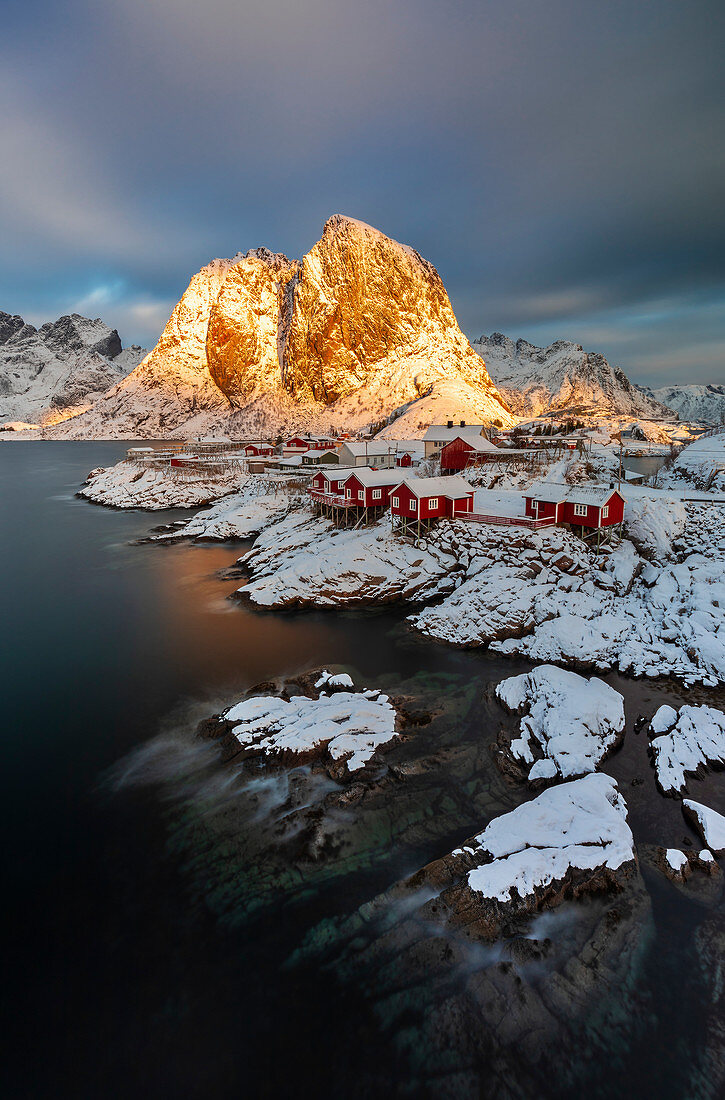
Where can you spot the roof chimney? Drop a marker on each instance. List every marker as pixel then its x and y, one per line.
pixel 463 423
pixel 450 423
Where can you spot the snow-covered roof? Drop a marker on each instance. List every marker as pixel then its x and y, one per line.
pixel 453 486
pixel 373 447
pixel 369 477
pixel 408 446
pixel 338 473
pixel 293 460
pixel 441 433
pixel 477 443
pixel 318 452
pixel 575 494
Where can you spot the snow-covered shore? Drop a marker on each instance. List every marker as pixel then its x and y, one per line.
pixel 544 595
pixel 127 485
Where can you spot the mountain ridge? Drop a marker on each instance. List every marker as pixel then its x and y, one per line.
pixel 564 379
pixel 53 372
pixel 359 327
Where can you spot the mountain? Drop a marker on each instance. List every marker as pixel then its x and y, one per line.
pixel 53 372
pixel 702 403
pixel 357 330
pixel 563 378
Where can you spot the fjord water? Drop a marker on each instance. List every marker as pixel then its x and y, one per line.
pixel 124 978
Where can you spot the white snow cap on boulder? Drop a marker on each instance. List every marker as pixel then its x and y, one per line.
pixel 580 825
pixel 349 726
pixel 687 741
pixel 568 720
pixel 710 824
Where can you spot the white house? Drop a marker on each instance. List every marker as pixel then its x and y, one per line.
pixel 439 434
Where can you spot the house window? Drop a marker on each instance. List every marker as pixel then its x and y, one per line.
pixel 580 509
pixel 605 511
pixel 377 494
pixel 413 505
pixel 361 494
pixel 348 494
pixel 396 502
pixel 433 502
pixel 535 505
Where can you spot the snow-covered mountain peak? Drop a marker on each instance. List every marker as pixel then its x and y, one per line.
pixel 60 369
pixel 562 378
pixel 357 329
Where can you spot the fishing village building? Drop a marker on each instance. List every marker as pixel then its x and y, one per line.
pixel 418 503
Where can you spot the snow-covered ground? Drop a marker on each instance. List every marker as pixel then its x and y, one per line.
pixel 699 466
pixel 569 723
pixel 128 485
pixel 261 501
pixel 543 594
pixel 685 742
pixel 306 561
pixel 577 826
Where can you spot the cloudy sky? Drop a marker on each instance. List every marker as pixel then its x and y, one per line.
pixel 560 163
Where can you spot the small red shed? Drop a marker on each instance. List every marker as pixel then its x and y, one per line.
pixel 579 505
pixel 255 450
pixel 423 500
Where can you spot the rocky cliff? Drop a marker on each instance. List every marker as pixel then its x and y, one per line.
pixel 563 378
pixel 358 329
pixel 60 369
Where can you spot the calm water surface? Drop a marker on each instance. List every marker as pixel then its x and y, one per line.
pixel 123 981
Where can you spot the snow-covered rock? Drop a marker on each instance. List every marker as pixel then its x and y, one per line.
pixel 562 378
pixel 355 331
pixel 709 823
pixel 305 561
pixel 127 485
pixel 685 742
pixel 345 725
pixel 259 502
pixel 49 373
pixel 654 522
pixel 677 861
pixel 569 723
pixel 573 832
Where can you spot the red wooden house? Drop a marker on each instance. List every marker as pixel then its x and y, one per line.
pixel 329 483
pixel 466 451
pixel 588 506
pixel 423 500
pixel 256 450
pixel 367 488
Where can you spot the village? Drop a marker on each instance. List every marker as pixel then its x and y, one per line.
pixel 416 482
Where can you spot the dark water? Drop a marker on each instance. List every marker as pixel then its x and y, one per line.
pixel 132 970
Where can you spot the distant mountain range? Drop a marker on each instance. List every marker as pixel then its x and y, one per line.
pixel 563 379
pixel 60 369
pixel 703 403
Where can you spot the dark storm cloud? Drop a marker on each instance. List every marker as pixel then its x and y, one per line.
pixel 560 163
